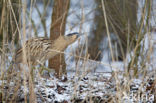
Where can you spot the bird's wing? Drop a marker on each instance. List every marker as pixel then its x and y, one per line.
pixel 35 49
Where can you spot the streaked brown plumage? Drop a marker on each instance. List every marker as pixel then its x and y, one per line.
pixel 40 49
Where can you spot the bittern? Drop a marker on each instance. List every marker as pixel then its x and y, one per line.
pixel 40 49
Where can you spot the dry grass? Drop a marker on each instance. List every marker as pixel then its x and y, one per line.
pixel 15 78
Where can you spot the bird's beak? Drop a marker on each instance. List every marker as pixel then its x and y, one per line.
pixel 80 34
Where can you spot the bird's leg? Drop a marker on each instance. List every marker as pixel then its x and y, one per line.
pixel 45 68
pixel 33 68
pixel 41 69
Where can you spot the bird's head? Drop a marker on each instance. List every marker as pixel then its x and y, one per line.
pixel 72 37
pixel 62 42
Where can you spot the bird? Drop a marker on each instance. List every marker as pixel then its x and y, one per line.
pixel 40 49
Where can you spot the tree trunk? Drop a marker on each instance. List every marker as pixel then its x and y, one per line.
pixel 97 32
pixel 122 18
pixel 59 15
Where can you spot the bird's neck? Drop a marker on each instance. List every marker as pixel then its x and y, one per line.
pixel 60 43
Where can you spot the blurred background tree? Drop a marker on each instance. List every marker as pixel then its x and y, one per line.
pixel 122 20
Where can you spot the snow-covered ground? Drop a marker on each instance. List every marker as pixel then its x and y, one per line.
pixel 92 87
pixel 102 81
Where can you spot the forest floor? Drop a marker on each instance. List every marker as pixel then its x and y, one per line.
pixel 93 88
